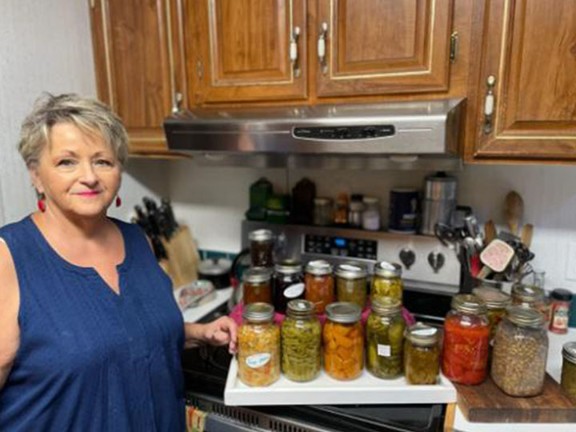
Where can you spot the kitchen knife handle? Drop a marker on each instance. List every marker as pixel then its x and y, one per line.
pixel 323 35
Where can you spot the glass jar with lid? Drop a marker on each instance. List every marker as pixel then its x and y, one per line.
pixel 531 296
pixel 387 281
pixel 258 346
pixel 421 354
pixel 319 284
pixel 496 303
pixel 301 336
pixel 559 312
pixel 371 214
pixel 323 211
pixel 256 285
pixel 343 339
pixel 287 283
pixel 520 353
pixel 351 283
pixel 261 248
pixel 356 207
pixel 385 338
pixel 466 340
pixel 568 375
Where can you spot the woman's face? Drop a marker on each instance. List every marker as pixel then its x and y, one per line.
pixel 79 174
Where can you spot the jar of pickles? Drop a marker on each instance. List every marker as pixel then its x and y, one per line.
pixel 351 283
pixel 261 248
pixel 466 340
pixel 319 284
pixel 256 285
pixel 520 353
pixel 385 338
pixel 301 341
pixel 343 341
pixel 287 283
pixel 496 303
pixel 421 354
pixel 258 346
pixel 387 281
pixel 568 376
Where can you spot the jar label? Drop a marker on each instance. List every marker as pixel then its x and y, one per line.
pixel 294 291
pixel 258 360
pixel 384 350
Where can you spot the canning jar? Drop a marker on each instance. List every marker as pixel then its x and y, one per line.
pixel 520 352
pixel 385 338
pixel 496 303
pixel 287 283
pixel 323 211
pixel 421 354
pixel 261 248
pixel 568 377
pixel 559 311
pixel 258 346
pixel 301 337
pixel 256 285
pixel 343 341
pixel 532 297
pixel 466 340
pixel 319 284
pixel 387 281
pixel 351 280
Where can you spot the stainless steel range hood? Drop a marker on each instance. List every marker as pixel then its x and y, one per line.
pixel 393 135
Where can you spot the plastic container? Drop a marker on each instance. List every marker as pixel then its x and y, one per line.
pixel 258 346
pixel 351 283
pixel 287 283
pixel 387 281
pixel 261 248
pixel 421 354
pixel 466 340
pixel 520 353
pixel 560 310
pixel 301 342
pixel 568 376
pixel 256 286
pixel 319 284
pixel 343 339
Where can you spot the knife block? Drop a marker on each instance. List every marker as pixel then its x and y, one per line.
pixel 183 258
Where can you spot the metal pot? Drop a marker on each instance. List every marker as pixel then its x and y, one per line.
pixel 216 271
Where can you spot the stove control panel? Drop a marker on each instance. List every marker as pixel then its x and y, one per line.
pixel 340 246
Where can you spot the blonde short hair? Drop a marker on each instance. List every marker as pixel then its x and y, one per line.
pixel 89 115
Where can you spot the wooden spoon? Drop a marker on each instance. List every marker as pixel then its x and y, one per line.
pixel 489 232
pixel 513 211
pixel 526 235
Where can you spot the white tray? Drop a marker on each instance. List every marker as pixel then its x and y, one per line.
pixel 324 390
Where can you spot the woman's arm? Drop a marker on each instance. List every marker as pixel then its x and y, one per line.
pixel 9 305
pixel 219 332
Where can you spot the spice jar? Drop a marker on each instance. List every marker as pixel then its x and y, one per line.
pixel 355 210
pixel 319 284
pixel 559 311
pixel 256 285
pixel 301 337
pixel 261 248
pixel 351 280
pixel 343 341
pixel 520 352
pixel 496 303
pixel 385 338
pixel 287 283
pixel 323 211
pixel 371 214
pixel 466 340
pixel 258 346
pixel 421 354
pixel 532 297
pixel 568 376
pixel 387 281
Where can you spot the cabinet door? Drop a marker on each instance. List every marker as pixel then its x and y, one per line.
pixel 136 65
pixel 383 46
pixel 530 53
pixel 246 50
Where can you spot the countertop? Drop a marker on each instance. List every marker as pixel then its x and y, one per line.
pixel 194 314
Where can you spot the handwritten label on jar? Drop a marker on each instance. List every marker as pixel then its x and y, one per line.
pixel 384 350
pixel 294 291
pixel 256 361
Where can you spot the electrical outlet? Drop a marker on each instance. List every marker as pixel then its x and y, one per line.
pixel 571 261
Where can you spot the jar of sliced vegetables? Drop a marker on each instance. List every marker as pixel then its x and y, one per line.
pixel 319 283
pixel 351 283
pixel 258 346
pixel 343 341
pixel 421 354
pixel 301 342
pixel 387 281
pixel 568 376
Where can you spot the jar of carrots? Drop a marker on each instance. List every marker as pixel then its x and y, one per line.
pixel 319 284
pixel 343 341
pixel 466 340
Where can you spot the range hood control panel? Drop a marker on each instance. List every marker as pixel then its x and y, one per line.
pixel 340 246
pixel 344 132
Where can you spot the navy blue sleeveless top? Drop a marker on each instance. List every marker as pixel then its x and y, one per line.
pixel 90 359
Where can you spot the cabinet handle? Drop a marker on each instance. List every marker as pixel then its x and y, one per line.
pixel 322 47
pixel 453 46
pixel 177 103
pixel 489 103
pixel 294 51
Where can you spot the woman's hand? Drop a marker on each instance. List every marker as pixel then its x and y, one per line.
pixel 222 331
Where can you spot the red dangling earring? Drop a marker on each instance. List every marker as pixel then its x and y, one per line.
pixel 118 201
pixel 41 204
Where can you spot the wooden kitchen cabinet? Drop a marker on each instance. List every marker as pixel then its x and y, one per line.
pixel 529 53
pixel 139 68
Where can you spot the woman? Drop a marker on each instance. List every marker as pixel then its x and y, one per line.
pixel 91 334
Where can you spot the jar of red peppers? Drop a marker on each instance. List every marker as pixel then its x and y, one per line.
pixel 466 340
pixel 319 283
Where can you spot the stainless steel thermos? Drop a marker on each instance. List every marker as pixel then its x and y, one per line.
pixel 439 201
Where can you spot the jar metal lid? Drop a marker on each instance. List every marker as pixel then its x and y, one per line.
pixel 288 266
pixel 370 200
pixel 319 267
pixel 260 235
pixel 493 297
pixel 300 308
pixel 527 293
pixel 387 269
pixel 569 351
pixel 386 305
pixel 468 303
pixel 421 334
pixel 343 312
pixel 561 294
pixel 525 317
pixel 258 312
pixel 256 275
pixel 351 271
pixel 322 200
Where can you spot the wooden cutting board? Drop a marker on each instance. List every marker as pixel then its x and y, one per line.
pixel 487 403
